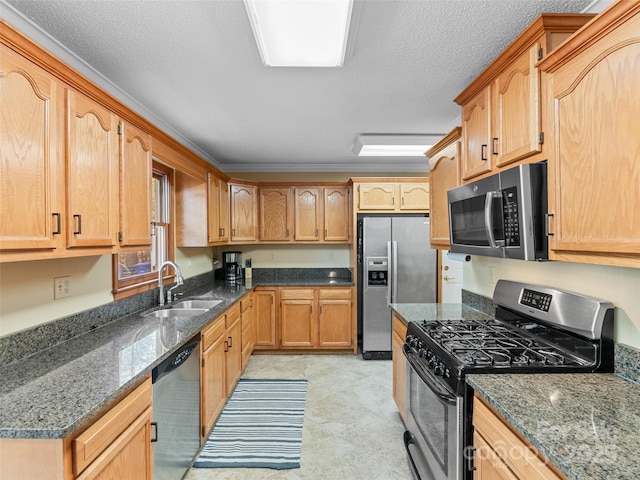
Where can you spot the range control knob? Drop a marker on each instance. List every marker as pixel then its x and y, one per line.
pixel 439 369
pixel 422 353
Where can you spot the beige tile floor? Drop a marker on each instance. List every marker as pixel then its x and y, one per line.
pixel 352 429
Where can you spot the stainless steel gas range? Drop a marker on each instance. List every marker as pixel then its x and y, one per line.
pixel 536 329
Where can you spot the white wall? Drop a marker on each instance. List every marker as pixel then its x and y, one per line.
pixel 621 286
pixel 26 288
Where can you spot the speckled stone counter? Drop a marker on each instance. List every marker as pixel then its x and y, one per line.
pixel 415 312
pixel 52 392
pixel 587 425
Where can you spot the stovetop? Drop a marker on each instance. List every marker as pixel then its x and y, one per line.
pixel 558 332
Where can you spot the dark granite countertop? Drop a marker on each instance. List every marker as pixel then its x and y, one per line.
pixel 587 425
pixel 415 312
pixel 52 393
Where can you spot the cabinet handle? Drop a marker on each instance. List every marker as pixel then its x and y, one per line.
pixel 154 437
pixel 483 153
pixel 325 232
pixel 316 232
pixel 230 342
pixel 233 232
pixel 494 148
pixel 226 346
pixel 402 200
pixel 546 224
pixel 78 219
pixel 287 232
pixel 58 231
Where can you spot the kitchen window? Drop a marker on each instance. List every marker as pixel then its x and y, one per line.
pixel 137 271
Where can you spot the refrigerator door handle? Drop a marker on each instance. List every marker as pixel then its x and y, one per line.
pixel 394 270
pixel 389 275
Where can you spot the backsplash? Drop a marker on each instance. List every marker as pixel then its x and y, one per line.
pixel 479 302
pixel 27 342
pixel 277 274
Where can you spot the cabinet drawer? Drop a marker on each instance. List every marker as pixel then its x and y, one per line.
pixel 98 437
pixel 517 453
pixel 233 314
pixel 296 294
pixel 213 332
pixel 245 304
pixel 334 293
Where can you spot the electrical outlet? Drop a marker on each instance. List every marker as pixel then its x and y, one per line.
pixel 61 287
pixel 491 274
pixel 332 256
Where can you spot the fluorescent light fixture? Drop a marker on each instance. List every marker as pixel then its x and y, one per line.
pixel 300 33
pixel 394 145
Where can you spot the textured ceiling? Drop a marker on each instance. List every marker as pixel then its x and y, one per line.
pixel 193 69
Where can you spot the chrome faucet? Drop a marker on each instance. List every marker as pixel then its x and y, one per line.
pixel 179 281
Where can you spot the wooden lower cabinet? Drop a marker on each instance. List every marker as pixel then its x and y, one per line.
pixel 213 374
pixel 248 329
pixel 233 347
pixel 117 444
pixel 264 305
pixel 501 453
pixel 399 366
pixel 316 318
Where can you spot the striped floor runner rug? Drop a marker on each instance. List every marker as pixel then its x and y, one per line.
pixel 260 427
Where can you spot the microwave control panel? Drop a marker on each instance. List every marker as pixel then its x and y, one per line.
pixel 511 217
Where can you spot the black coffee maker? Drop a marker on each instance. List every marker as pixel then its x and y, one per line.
pixel 232 266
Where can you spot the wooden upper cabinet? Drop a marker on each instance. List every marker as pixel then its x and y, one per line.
pixel 414 196
pixel 516 109
pixel 92 173
pixel 276 214
pixel 308 213
pixel 244 213
pixel 476 128
pixel 224 202
pixel 381 196
pixel 31 178
pixel 444 174
pixel 213 208
pixel 337 214
pixel 594 162
pixel 502 109
pixel 192 211
pixel 391 194
pixel 135 186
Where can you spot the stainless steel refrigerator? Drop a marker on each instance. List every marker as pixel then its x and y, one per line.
pixel 395 265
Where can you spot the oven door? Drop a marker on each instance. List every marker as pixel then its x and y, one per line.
pixel 434 436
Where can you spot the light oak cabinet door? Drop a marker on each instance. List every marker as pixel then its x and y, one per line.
pixel 248 329
pixel 414 196
pixel 233 348
pixel 213 374
pixel 335 325
pixel 244 213
pixel 265 319
pixel 118 445
pixel 444 174
pixel 488 464
pixel 135 187
pixel 307 213
pixel 516 109
pixel 337 214
pixel 223 210
pixel 297 325
pixel 380 196
pixel 92 173
pixel 399 366
pixel 276 214
pixel 31 169
pixel 476 130
pixel 594 167
pixel 192 226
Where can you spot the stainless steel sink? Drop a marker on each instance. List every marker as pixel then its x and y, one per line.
pixel 176 312
pixel 205 304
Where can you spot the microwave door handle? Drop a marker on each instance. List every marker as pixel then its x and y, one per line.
pixel 488 217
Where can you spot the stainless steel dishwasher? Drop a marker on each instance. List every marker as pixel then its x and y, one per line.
pixel 176 412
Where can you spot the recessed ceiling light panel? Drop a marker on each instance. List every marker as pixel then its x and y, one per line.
pixel 300 33
pixel 389 145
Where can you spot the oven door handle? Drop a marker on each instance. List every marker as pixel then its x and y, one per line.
pixel 409 440
pixel 444 395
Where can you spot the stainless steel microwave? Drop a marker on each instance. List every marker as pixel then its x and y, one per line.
pixel 503 215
